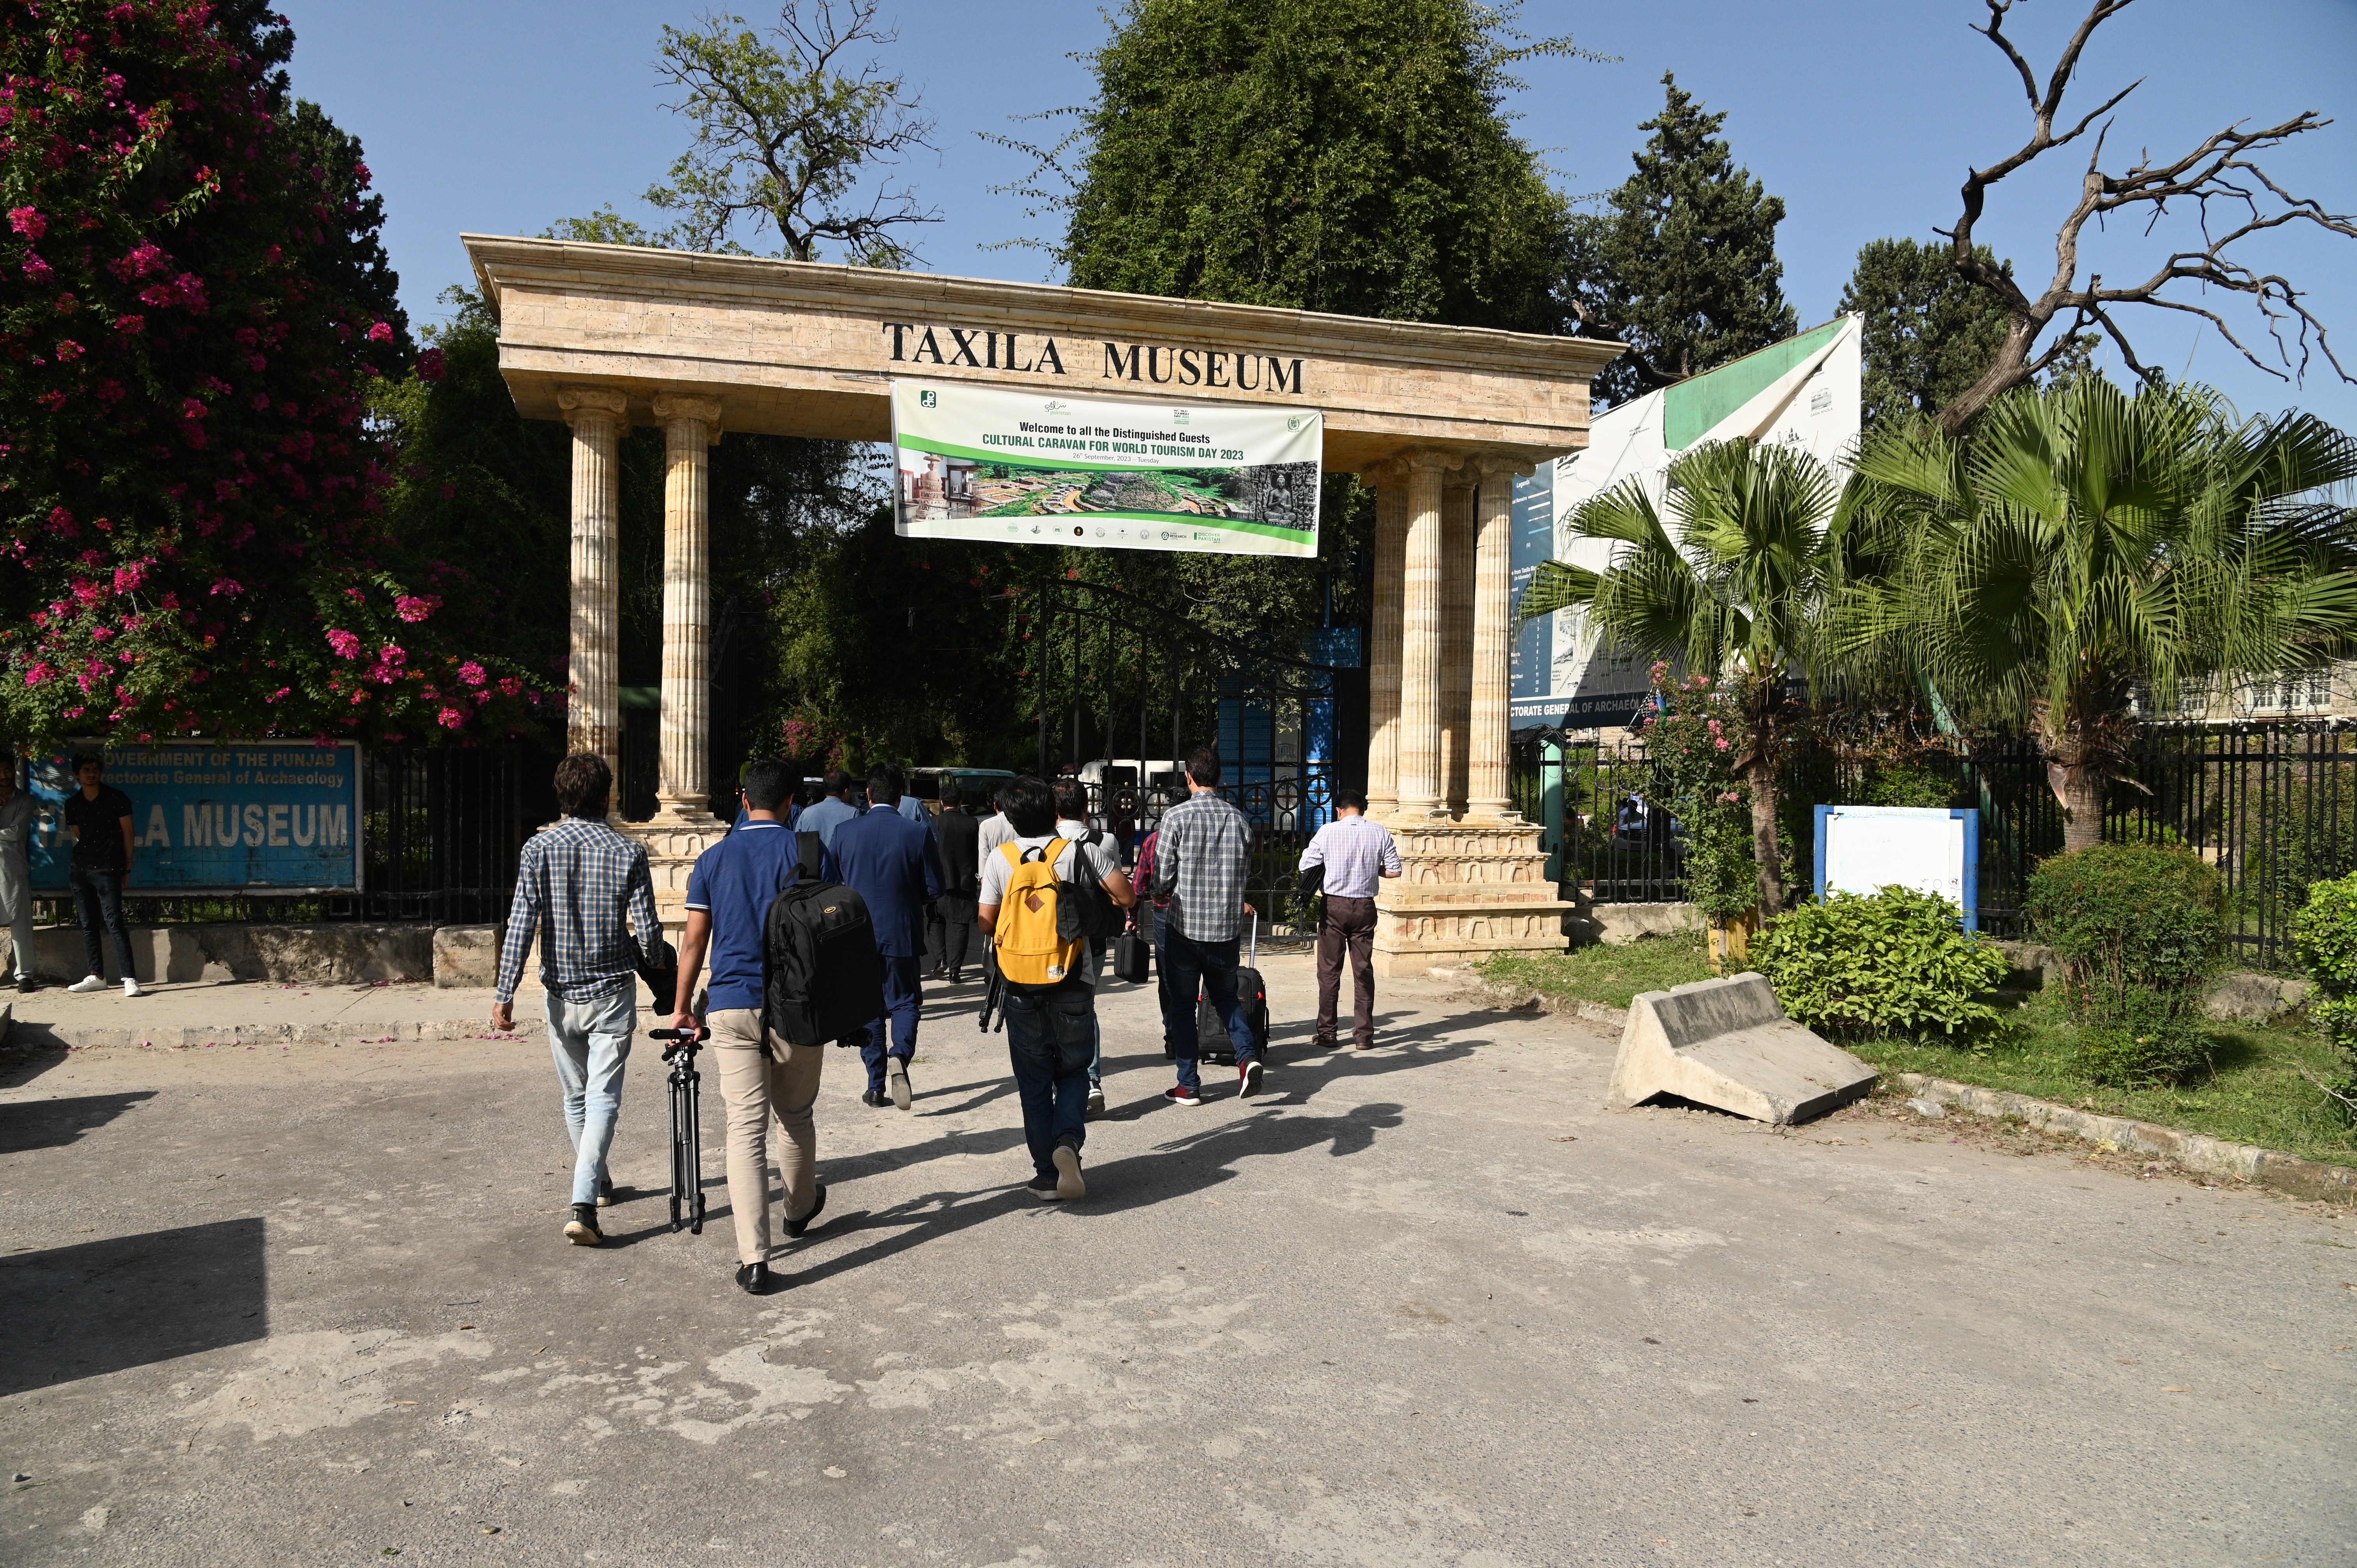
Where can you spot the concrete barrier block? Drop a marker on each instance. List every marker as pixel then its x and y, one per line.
pixel 2246 996
pixel 1621 924
pixel 159 955
pixel 467 955
pixel 1726 1043
pixel 328 954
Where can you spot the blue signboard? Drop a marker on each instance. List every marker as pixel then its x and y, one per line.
pixel 219 816
pixel 1532 660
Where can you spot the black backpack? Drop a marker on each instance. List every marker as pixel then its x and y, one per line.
pixel 1083 908
pixel 821 975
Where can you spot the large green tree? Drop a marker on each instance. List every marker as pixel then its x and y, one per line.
pixel 2085 544
pixel 1346 155
pixel 1930 332
pixel 195 314
pixel 1681 265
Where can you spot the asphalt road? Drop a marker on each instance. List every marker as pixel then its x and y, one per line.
pixel 1435 1305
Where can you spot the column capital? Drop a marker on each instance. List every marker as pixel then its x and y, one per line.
pixel 578 402
pixel 672 407
pixel 1498 464
pixel 1381 472
pixel 1427 457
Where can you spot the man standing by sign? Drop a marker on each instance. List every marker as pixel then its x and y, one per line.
pixel 98 818
pixel 17 872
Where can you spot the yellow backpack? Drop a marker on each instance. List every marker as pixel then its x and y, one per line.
pixel 1030 953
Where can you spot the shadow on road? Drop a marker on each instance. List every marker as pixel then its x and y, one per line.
pixel 80 1312
pixel 53 1123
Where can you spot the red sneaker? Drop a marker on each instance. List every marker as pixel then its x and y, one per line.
pixel 1248 1078
pixel 1179 1094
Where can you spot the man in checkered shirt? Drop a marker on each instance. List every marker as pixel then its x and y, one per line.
pixel 584 886
pixel 1200 862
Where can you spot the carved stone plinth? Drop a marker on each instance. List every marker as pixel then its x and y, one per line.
pixel 671 850
pixel 1466 890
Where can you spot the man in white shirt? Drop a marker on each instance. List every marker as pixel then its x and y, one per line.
pixel 1357 854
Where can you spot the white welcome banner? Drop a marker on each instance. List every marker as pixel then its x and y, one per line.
pixel 977 463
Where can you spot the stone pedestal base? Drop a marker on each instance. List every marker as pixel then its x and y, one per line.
pixel 1467 889
pixel 671 849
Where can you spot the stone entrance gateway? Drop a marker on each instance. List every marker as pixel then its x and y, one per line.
pixel 1437 419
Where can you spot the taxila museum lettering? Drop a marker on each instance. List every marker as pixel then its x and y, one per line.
pixel 917 343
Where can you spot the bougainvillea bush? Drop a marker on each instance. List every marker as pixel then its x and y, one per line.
pixel 1697 737
pixel 193 305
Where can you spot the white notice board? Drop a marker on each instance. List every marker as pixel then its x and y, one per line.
pixel 1863 849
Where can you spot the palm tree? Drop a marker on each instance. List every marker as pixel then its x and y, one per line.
pixel 2079 545
pixel 1735 588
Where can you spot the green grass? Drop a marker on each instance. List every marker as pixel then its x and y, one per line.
pixel 2254 1095
pixel 1605 974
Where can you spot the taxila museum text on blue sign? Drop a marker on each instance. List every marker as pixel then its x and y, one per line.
pixel 223 816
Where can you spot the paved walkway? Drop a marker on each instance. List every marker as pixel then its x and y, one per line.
pixel 1435 1305
pixel 227 1016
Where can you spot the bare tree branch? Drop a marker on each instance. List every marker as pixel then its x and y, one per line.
pixel 2222 171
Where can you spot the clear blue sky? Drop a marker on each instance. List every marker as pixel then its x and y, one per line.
pixel 1862 114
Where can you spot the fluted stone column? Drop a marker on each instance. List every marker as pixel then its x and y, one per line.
pixel 1489 780
pixel 1456 634
pixel 689 425
pixel 1420 640
pixel 593 714
pixel 1390 481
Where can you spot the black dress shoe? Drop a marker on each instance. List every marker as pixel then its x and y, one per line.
pixel 26 982
pixel 876 1097
pixel 754 1279
pixel 796 1227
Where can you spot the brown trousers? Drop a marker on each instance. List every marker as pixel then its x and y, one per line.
pixel 1350 922
pixel 753 1088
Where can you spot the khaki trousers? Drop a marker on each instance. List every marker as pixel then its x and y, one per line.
pixel 753 1088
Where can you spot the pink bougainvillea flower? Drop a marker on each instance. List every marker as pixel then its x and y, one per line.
pixel 345 644
pixel 431 366
pixel 471 673
pixel 28 221
pixel 379 333
pixel 410 607
pixel 35 268
pixel 131 324
pixel 452 718
pixel 228 586
pixel 68 350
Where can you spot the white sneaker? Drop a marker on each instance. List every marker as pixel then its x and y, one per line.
pixel 88 983
pixel 131 987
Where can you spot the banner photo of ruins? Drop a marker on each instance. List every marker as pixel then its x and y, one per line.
pixel 976 463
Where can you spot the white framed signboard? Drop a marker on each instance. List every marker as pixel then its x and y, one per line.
pixel 977 463
pixel 1863 849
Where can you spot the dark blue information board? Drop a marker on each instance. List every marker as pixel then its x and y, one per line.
pixel 219 816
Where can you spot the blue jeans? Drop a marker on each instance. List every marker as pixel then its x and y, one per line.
pixel 1050 1038
pixel 1189 966
pixel 903 1002
pixel 591 1042
pixel 98 899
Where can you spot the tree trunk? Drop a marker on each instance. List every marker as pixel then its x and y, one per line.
pixel 2083 807
pixel 1766 847
pixel 2008 371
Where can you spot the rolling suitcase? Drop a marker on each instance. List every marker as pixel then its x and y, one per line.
pixel 1212 1043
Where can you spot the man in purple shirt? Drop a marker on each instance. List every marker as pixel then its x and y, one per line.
pixel 1357 854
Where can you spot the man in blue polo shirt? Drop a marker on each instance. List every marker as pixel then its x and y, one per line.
pixel 729 899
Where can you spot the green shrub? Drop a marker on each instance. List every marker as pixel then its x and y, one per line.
pixel 2128 915
pixel 2135 1039
pixel 2137 928
pixel 1899 962
pixel 2324 939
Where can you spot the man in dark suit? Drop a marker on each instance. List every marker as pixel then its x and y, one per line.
pixel 960 832
pixel 893 865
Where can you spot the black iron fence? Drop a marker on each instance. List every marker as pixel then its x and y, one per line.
pixel 2273 807
pixel 1286 811
pixel 441 831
